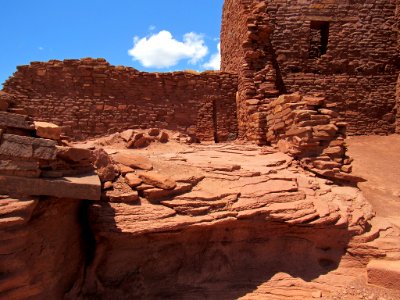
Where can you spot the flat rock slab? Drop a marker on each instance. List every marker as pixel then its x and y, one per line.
pixel 27 147
pixel 84 187
pixel 8 119
pixel 158 180
pixel 384 273
pixel 133 161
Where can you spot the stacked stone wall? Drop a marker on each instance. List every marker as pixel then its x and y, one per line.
pixel 357 70
pixel 90 97
pixel 398 105
pixel 366 102
pixel 361 64
pixel 233 34
pixel 305 128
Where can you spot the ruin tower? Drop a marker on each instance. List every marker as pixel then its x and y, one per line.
pixel 347 50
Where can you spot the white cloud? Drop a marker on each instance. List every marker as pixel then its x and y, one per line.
pixel 152 28
pixel 161 50
pixel 40 48
pixel 215 61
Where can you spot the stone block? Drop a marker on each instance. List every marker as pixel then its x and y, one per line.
pixel 3 105
pixel 47 130
pixel 27 147
pixel 84 187
pixel 19 168
pixel 71 154
pixel 15 121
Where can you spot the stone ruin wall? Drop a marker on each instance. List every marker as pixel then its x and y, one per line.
pixel 90 97
pixel 357 75
pixel 398 105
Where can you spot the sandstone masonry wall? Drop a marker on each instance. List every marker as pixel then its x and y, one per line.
pixel 257 76
pixel 90 97
pixel 398 105
pixel 233 33
pixel 359 69
pixel 347 50
pixel 303 127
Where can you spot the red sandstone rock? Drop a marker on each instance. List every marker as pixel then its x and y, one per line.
pixel 158 194
pixel 158 180
pixel 27 147
pixel 104 166
pixel 125 169
pixel 164 137
pixel 127 134
pixel 154 132
pixel 47 130
pixel 132 180
pixel 74 154
pixel 128 197
pixel 15 121
pixel 84 187
pixel 20 168
pixel 3 105
pixel 133 161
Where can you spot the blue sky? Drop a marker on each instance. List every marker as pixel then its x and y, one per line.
pixel 156 35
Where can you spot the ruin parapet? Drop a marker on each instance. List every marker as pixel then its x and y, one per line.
pixel 90 97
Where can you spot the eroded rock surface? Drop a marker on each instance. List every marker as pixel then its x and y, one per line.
pixel 242 221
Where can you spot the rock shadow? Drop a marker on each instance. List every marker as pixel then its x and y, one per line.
pixel 223 261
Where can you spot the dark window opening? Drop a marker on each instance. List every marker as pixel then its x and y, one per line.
pixel 319 36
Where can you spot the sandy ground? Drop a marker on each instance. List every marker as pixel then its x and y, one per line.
pixel 377 159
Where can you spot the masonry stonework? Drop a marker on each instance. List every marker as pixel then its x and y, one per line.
pixel 90 97
pixel 346 50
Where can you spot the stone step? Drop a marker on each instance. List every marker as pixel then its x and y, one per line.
pixel 85 187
